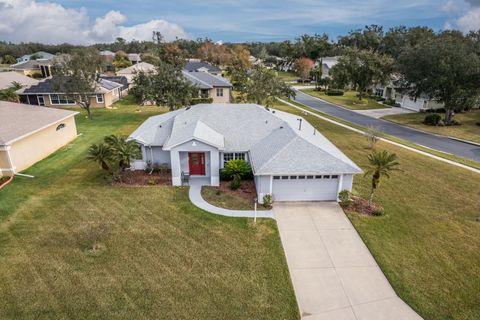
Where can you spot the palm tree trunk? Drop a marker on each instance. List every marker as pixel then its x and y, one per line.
pixel 370 199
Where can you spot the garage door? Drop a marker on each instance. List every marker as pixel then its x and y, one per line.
pixel 305 188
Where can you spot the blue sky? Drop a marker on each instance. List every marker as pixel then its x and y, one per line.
pixel 241 20
pixel 54 21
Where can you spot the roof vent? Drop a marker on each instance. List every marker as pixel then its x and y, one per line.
pixel 273 111
pixel 281 127
pixel 160 126
pixel 188 108
pixel 266 121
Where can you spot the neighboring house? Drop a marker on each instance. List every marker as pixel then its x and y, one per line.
pixel 327 64
pixel 107 53
pixel 210 86
pixel 8 78
pixel 46 94
pixel 290 159
pixel 29 134
pixel 118 79
pixel 131 71
pixel 40 55
pixel 422 103
pixel 134 58
pixel 29 68
pixel 201 66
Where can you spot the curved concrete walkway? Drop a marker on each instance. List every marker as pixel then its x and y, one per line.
pixel 195 194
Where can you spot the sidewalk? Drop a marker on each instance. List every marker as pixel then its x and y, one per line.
pixel 195 194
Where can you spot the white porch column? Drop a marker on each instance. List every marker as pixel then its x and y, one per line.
pixel 176 168
pixel 340 185
pixel 215 167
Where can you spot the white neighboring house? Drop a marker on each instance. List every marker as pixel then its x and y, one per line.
pixel 421 103
pixel 131 71
pixel 40 55
pixel 290 159
pixel 8 78
pixel 327 64
pixel 210 86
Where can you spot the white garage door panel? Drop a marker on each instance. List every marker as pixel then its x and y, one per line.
pixel 305 190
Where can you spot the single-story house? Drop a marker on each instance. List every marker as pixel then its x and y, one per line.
pixel 30 68
pixel 46 93
pixel 421 103
pixel 118 79
pixel 210 86
pixel 131 71
pixel 107 53
pixel 7 79
pixel 202 66
pixel 290 159
pixel 29 134
pixel 37 55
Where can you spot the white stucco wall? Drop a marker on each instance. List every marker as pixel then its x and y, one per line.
pixel 156 155
pixel 262 184
pixel 178 161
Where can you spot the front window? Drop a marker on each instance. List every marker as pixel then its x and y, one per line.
pixel 219 92
pixel 233 156
pixel 61 99
pixel 204 93
pixel 99 98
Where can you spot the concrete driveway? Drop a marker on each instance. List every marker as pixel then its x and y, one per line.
pixel 379 113
pixel 333 273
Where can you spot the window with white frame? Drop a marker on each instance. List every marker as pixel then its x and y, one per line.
pixel 61 99
pixel 233 156
pixel 219 92
pixel 99 98
pixel 379 92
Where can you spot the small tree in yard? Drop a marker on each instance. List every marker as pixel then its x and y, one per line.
pixel 166 87
pixel 373 135
pixel 123 150
pixel 304 66
pixel 237 169
pixel 100 153
pixel 264 87
pixel 381 164
pixel 78 77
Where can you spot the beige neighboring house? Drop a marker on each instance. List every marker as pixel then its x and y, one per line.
pixel 8 78
pixel 210 86
pixel 46 95
pixel 29 134
pixel 131 71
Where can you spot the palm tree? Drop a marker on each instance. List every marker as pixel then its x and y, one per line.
pixel 100 153
pixel 237 169
pixel 123 151
pixel 381 164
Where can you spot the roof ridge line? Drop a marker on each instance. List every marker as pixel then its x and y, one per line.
pixel 279 151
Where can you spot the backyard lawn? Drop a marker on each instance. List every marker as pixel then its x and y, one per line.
pixel 468 130
pixel 349 100
pixel 159 257
pixel 427 243
pixel 287 76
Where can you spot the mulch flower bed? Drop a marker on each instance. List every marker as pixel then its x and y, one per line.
pixel 4 181
pixel 361 206
pixel 246 191
pixel 142 178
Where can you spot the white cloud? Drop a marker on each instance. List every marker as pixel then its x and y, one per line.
pixel 48 22
pixel 465 15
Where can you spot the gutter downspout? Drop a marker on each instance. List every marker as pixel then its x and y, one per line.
pixel 151 157
pixel 10 163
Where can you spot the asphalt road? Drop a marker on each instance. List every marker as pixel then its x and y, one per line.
pixel 432 141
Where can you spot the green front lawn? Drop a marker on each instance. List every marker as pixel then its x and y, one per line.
pixel 468 130
pixel 162 257
pixel 349 100
pixel 427 243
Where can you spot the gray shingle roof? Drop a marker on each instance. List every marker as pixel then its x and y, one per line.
pixel 54 85
pixel 272 138
pixel 30 64
pixel 205 80
pixel 19 120
pixel 195 65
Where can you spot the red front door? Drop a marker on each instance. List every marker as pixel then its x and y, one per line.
pixel 196 163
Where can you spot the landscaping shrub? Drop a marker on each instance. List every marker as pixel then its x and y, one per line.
pixel 267 200
pixel 236 182
pixel 195 101
pixel 238 169
pixel 225 175
pixel 334 92
pixel 345 198
pixel 391 102
pixel 432 119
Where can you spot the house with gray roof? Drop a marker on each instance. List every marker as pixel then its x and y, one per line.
pixel 9 78
pixel 217 88
pixel 40 55
pixel 51 93
pixel 290 159
pixel 29 134
pixel 202 66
